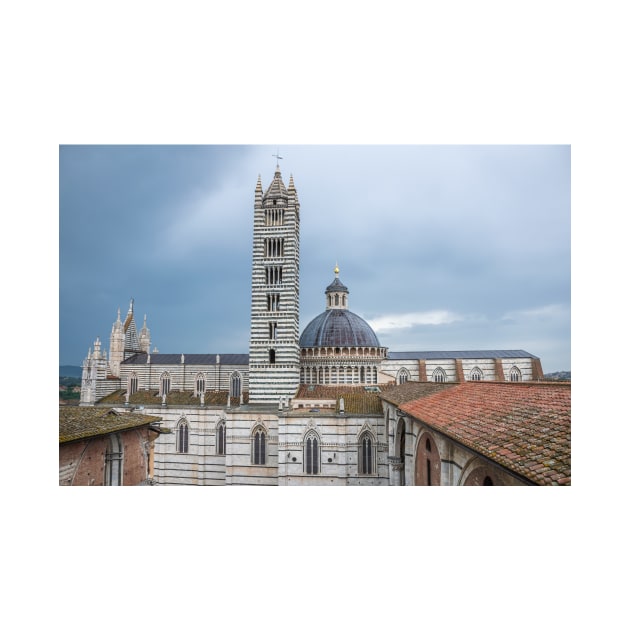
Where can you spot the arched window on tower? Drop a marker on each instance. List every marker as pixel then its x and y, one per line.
pixel 402 376
pixel 366 454
pixel 476 374
pixel 221 438
pixel 259 446
pixel 272 356
pixel 438 376
pixel 311 453
pixel 182 437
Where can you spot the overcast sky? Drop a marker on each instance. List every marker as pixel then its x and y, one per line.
pixel 442 247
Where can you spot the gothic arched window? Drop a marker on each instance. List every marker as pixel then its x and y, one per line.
pixel 439 376
pixel 259 447
pixel 113 461
pixel 515 375
pixel 476 374
pixel 235 385
pixel 402 376
pixel 221 438
pixel 133 383
pixel 200 386
pixel 311 453
pixel 165 384
pixel 366 454
pixel 182 437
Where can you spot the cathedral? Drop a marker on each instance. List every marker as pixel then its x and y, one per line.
pixel 325 406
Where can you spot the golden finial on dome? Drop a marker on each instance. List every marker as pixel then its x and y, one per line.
pixel 336 269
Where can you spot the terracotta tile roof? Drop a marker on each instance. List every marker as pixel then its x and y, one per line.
pixel 411 390
pixel 77 423
pixel 525 427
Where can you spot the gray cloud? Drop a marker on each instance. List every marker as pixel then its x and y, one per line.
pixel 480 232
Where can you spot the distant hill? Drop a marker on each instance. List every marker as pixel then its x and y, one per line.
pixel 558 376
pixel 70 370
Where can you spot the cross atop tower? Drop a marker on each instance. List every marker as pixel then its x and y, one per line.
pixel 278 157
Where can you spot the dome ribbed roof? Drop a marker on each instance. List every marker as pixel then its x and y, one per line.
pixel 338 327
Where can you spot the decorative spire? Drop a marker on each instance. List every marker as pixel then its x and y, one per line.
pixel 258 193
pixel 117 326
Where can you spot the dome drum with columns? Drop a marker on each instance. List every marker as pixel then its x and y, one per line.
pixel 338 347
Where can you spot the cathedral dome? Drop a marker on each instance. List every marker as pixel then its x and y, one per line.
pixel 338 328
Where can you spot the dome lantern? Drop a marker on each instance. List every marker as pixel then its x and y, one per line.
pixel 336 293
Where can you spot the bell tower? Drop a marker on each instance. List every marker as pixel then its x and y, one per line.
pixel 274 351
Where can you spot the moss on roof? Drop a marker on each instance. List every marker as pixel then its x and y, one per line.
pixel 357 399
pixel 525 426
pixel 411 390
pixel 77 423
pixel 174 398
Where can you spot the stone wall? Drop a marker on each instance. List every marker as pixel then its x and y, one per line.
pixel 82 463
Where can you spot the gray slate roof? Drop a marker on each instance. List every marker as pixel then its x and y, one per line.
pixel 337 285
pixel 461 354
pixel 159 358
pixel 338 327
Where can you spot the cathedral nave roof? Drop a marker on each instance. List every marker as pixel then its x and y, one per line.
pixel 159 358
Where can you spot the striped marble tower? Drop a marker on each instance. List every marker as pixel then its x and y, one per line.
pixel 274 352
